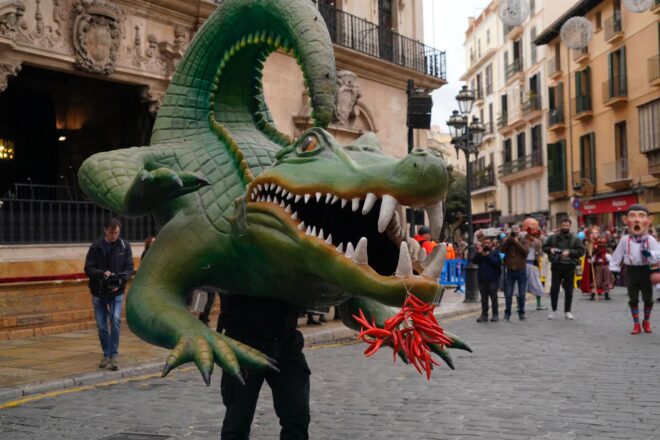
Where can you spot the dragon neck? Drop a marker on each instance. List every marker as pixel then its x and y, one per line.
pixel 217 86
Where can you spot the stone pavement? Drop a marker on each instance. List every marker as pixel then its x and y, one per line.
pixel 47 363
pixel 538 379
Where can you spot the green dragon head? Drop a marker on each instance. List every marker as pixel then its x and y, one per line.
pixel 329 217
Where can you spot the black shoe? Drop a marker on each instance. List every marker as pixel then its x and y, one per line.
pixel 495 318
pixel 607 296
pixel 482 318
pixel 507 317
pixel 593 297
pixel 522 317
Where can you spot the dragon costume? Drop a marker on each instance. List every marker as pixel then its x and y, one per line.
pixel 244 208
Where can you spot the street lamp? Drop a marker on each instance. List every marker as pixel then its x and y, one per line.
pixel 467 137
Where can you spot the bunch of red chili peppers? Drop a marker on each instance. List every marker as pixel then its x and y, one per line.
pixel 410 331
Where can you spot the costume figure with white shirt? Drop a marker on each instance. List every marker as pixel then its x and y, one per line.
pixel 638 251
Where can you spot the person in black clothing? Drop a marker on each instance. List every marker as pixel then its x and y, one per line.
pixel 564 250
pixel 109 264
pixel 488 274
pixel 269 326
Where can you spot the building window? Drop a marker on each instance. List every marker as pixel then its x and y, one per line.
pixel 649 126
pixel 509 199
pixel 479 90
pixel 556 104
pixel 532 8
pixel 520 145
pixel 583 90
pixel 491 118
pixel 621 141
pixel 507 153
pixel 617 84
pixel 588 157
pixel 537 140
pixel 599 21
pixel 488 37
pixel 478 49
pixel 489 79
pixel 557 167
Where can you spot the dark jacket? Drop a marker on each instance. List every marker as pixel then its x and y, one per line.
pixel 116 258
pixel 516 252
pixel 563 242
pixel 260 317
pixel 490 267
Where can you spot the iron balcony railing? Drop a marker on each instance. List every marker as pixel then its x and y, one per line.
pixel 615 87
pixel 483 178
pixel 350 31
pixel 532 104
pixel 554 66
pixel 654 67
pixel 613 25
pixel 34 191
pixel 582 104
pixel 490 129
pixel 556 183
pixel 555 116
pixel 513 68
pixel 62 221
pixel 502 120
pixel 616 171
pixel 579 53
pixel 523 163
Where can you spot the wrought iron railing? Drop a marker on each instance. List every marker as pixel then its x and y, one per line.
pixel 613 25
pixel 532 104
pixel 523 163
pixel 616 171
pixel 483 178
pixel 25 221
pixel 513 68
pixel 554 66
pixel 556 183
pixel 502 120
pixel 654 67
pixel 615 87
pixel 363 36
pixel 582 104
pixel 555 116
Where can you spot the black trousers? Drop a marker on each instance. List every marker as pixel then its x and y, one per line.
pixel 488 290
pixel 638 279
pixel 290 389
pixel 563 276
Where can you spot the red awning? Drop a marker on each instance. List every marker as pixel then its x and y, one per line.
pixel 612 204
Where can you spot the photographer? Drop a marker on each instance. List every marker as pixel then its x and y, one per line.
pixel 515 248
pixel 488 274
pixel 109 264
pixel 564 250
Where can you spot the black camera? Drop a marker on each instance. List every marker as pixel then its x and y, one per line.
pixel 514 234
pixel 111 284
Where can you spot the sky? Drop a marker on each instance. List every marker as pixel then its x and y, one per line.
pixel 445 23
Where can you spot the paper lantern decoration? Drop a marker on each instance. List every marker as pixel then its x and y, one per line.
pixel 637 6
pixel 513 12
pixel 576 32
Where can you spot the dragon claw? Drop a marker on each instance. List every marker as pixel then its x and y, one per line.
pixel 457 342
pixel 153 187
pixel 442 351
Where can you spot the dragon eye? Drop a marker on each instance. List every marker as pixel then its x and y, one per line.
pixel 309 144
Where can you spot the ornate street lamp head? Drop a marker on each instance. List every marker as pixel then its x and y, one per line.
pixel 465 100
pixel 457 124
pixel 477 130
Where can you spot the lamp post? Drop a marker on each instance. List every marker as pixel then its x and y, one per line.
pixel 467 137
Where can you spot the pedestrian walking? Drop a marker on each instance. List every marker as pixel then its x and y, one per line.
pixel 637 250
pixel 564 250
pixel 515 249
pixel 109 265
pixel 488 275
pixel 596 276
pixel 534 285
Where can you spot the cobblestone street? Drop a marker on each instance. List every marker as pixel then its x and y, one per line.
pixel 588 378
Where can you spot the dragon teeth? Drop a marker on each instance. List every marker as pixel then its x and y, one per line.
pixel 282 205
pixel 340 248
pixel 294 216
pixel 308 231
pixel 355 204
pixel 369 203
pixel 269 199
pixel 334 200
pixel 307 197
pixel 259 187
pixel 328 197
pixel 289 196
pixel 301 226
pixel 350 250
pixel 318 196
pixel 343 203
pixel 287 209
pixel 436 217
pixel 321 234
pixel 436 262
pixel 329 239
pixel 387 209
pixel 360 256
pixel 278 189
pixel 298 197
pixel 404 267
pixel 285 193
pixel 314 231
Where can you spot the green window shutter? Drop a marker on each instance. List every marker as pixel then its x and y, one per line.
pixel 587 75
pixel 551 98
pixel 578 84
pixel 610 73
pixel 623 84
pixel 592 156
pixel 582 170
pixel 560 97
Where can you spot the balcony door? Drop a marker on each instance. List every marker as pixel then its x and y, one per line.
pixel 386 30
pixel 588 157
pixel 328 10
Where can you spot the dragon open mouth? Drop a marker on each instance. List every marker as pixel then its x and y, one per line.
pixel 365 229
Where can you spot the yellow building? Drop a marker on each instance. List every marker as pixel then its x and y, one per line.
pixel 603 114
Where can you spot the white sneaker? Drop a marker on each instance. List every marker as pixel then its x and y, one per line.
pixel 569 315
pixel 552 315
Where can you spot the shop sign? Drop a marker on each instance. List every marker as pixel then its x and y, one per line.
pixel 613 204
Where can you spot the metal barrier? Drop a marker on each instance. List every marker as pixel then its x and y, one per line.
pixel 453 274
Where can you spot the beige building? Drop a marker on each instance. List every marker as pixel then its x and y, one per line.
pixel 604 115
pixel 507 73
pixel 60 103
pixel 441 141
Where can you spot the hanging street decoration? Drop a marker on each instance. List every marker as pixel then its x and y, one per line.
pixel 513 12
pixel 637 6
pixel 576 32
